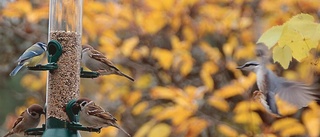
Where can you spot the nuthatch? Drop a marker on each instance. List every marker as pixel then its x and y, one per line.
pixel 96 61
pixel 31 57
pixel 295 93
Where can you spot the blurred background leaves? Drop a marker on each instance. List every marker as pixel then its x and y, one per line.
pixel 183 55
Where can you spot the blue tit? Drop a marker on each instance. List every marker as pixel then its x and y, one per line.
pixel 31 57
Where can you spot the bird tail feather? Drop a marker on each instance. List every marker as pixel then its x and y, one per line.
pixel 16 70
pixel 130 78
pixel 119 127
pixel 8 134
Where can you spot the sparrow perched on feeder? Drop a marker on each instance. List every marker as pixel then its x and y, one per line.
pixel 96 116
pixel 295 93
pixel 29 118
pixel 31 57
pixel 96 61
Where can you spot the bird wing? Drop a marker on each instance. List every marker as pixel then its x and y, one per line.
pixel 94 109
pixel 100 57
pixel 20 118
pixel 296 93
pixel 108 119
pixel 107 116
pixel 30 54
pixel 98 111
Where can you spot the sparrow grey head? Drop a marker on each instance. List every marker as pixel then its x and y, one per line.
pixel 250 66
pixel 35 111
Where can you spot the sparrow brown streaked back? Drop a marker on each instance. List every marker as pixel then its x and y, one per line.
pixel 96 61
pixel 96 116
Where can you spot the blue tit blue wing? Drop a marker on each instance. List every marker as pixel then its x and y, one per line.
pixel 30 54
pixel 30 57
pixel 16 70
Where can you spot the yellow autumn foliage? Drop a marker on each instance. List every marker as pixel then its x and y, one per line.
pixel 164 56
pixel 145 128
pixel 208 69
pixel 183 56
pixel 249 118
pixel 311 119
pixel 177 114
pixel 227 131
pixel 288 127
pixel 128 45
pixel 139 108
pixel 190 129
pixel 17 9
pixel 160 130
pixel 219 103
pixel 133 98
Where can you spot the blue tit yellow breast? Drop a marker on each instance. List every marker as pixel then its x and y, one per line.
pixel 34 61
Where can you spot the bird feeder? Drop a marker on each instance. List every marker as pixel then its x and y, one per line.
pixel 63 83
pixel 65 28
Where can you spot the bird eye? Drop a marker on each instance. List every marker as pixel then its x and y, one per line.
pixel 83 103
pixel 33 114
pixel 251 64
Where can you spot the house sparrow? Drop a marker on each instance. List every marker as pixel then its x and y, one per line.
pixel 96 116
pixel 29 118
pixel 31 57
pixel 96 61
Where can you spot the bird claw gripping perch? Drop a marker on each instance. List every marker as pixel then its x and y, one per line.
pixel 93 129
pixel 35 131
pixel 54 52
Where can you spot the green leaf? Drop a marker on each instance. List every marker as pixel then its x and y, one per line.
pixel 283 55
pixel 271 36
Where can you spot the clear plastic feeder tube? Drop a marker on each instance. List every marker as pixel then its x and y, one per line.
pixel 65 26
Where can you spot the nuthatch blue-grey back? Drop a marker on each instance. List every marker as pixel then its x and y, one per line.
pixel 295 93
pixel 31 57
